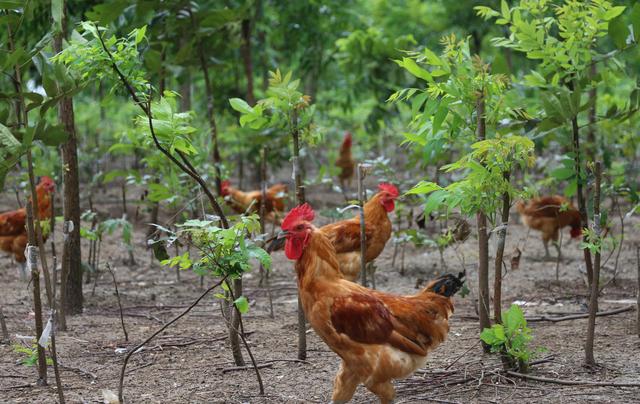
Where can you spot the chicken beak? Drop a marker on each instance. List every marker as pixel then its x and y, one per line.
pixel 282 234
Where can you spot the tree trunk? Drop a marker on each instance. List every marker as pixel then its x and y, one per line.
pixel 483 238
pixel 593 300
pixel 32 262
pixel 502 238
pixel 638 291
pixel 582 206
pixel 363 241
pixel 71 258
pixel 300 199
pixel 234 336
pixel 245 49
pixel 591 134
pixel 215 151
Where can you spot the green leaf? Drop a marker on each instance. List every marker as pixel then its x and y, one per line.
pixel 562 173
pixel 11 4
pixel 413 68
pixel 618 32
pixel 240 105
pixel 140 33
pixel 423 187
pixel 504 9
pixel 57 13
pixel 439 117
pixel 434 200
pixel 613 12
pixel 635 21
pixel 242 304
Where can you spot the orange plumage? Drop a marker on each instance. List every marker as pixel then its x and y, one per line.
pixel 379 337
pixel 549 214
pixel 345 162
pixel 345 234
pixel 13 231
pixel 242 202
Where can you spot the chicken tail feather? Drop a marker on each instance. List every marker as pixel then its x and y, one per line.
pixel 447 285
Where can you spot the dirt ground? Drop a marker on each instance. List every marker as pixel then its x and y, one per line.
pixel 191 361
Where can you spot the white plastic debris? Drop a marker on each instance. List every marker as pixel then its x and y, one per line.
pixel 109 397
pixel 46 333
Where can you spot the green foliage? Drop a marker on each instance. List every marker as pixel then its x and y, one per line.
pixel 88 59
pixel 511 338
pixel 278 109
pixel 223 252
pixel 30 355
pixel 483 182
pixel 107 227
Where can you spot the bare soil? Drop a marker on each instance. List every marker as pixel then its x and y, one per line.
pixel 191 361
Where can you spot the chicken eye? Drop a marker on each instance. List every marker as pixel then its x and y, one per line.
pixel 300 227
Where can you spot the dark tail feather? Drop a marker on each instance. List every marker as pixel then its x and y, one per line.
pixel 276 245
pixel 447 285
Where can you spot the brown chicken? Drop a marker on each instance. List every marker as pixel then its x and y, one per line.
pixel 346 163
pixel 241 202
pixel 13 231
pixel 379 337
pixel 345 234
pixel 549 214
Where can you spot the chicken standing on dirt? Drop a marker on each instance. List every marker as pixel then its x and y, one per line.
pixel 241 202
pixel 13 230
pixel 380 337
pixel 345 234
pixel 346 163
pixel 549 214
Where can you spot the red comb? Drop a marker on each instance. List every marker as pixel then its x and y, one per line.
pixel 389 188
pixel 303 212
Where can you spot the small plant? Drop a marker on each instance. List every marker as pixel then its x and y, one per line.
pixel 30 355
pixel 511 339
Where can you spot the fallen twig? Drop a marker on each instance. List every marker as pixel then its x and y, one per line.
pixel 556 319
pixel 115 284
pixel 570 382
pixel 19 386
pixel 263 365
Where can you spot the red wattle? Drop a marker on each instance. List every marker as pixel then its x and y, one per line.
pixel 293 249
pixel 389 205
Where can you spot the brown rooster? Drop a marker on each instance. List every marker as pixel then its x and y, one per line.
pixel 549 214
pixel 346 163
pixel 379 336
pixel 241 201
pixel 345 234
pixel 13 231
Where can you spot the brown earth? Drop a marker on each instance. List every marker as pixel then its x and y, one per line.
pixel 190 361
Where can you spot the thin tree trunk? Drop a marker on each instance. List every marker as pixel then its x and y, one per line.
pixel 363 241
pixel 591 134
pixel 502 238
pixel 245 49
pixel 234 338
pixel 593 300
pixel 71 290
pixel 483 238
pixel 215 151
pixel 300 199
pixel 638 291
pixel 582 206
pixel 32 263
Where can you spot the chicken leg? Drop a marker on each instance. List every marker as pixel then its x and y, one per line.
pixel 344 386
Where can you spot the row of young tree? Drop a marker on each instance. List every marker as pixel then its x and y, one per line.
pixel 541 76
